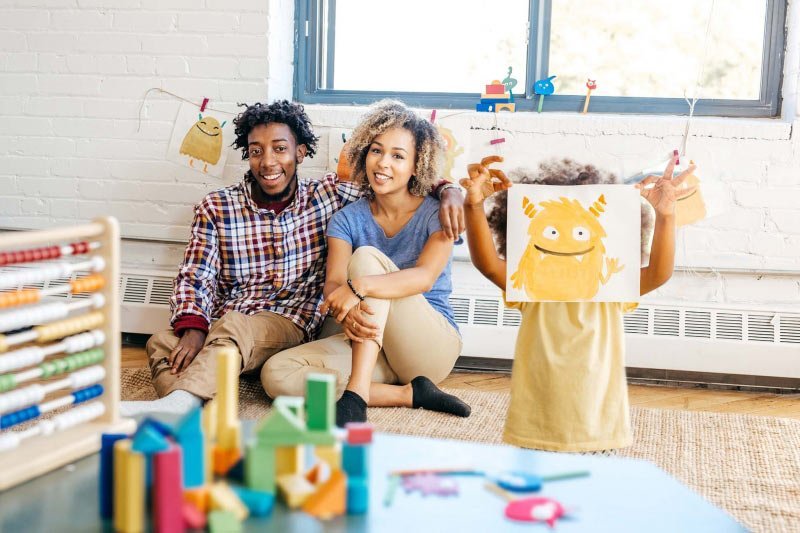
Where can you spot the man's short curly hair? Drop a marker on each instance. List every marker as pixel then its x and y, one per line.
pixel 561 172
pixel 281 111
pixel 383 116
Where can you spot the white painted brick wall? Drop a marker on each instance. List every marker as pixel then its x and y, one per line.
pixel 73 74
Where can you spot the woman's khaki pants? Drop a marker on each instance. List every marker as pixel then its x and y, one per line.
pixel 417 341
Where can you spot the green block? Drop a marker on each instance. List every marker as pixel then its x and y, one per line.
pixel 223 522
pixel 320 392
pixel 259 468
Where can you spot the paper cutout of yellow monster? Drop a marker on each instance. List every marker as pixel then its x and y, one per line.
pixel 452 151
pixel 203 141
pixel 691 207
pixel 565 255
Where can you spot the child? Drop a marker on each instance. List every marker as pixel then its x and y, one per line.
pixel 389 257
pixel 568 388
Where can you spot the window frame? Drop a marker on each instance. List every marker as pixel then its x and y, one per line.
pixel 308 73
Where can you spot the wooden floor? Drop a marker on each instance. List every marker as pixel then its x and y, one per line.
pixel 653 396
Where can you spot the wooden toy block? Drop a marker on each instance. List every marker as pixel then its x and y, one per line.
pixel 193 517
pixel 223 522
pixel 330 499
pixel 257 502
pixel 294 489
pixel 209 418
pixel 107 473
pixel 495 88
pixel 167 491
pixel 319 473
pixel 259 467
pixel 320 401
pixel 223 498
pixel 288 460
pixel 355 460
pixel 505 106
pixel 228 425
pixel 148 440
pixel 224 459
pixel 199 498
pixel 129 488
pixel 189 435
pixel 359 432
pixel 357 495
pixel 159 426
pixel 283 424
pixel 330 454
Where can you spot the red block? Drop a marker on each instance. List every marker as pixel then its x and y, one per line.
pixel 495 88
pixel 192 516
pixel 168 491
pixel 359 432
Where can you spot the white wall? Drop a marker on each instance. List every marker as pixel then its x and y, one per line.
pixel 73 74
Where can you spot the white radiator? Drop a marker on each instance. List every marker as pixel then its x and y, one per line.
pixel 703 338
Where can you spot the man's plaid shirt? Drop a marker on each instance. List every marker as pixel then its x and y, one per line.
pixel 247 259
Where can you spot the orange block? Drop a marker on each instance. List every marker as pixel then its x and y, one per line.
pixel 330 499
pixel 198 498
pixel 224 459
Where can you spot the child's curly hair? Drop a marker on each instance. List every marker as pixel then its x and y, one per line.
pixel 561 172
pixel 383 116
pixel 281 111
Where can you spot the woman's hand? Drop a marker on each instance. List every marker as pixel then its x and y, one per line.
pixel 666 189
pixel 451 212
pixel 357 325
pixel 339 303
pixel 484 181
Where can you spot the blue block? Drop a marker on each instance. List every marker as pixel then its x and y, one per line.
pixel 189 433
pixel 159 426
pixel 257 502
pixel 357 495
pixel 484 107
pixel 354 460
pixel 106 484
pixel 148 440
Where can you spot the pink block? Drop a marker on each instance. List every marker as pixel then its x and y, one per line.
pixel 168 491
pixel 193 517
pixel 495 89
pixel 359 432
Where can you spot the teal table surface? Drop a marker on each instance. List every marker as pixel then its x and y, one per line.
pixel 620 495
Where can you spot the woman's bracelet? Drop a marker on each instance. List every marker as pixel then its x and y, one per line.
pixel 350 284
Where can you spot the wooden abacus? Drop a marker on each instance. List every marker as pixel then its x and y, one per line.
pixel 71 345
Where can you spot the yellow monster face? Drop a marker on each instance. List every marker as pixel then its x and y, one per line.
pixel 203 141
pixel 564 258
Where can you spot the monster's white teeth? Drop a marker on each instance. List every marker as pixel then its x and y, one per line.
pixel 579 257
pixel 543 255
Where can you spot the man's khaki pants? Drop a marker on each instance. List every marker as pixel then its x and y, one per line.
pixel 255 338
pixel 417 340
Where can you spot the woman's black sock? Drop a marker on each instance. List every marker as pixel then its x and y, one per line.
pixel 429 396
pixel 350 408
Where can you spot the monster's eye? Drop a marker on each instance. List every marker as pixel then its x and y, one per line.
pixel 580 233
pixel 550 233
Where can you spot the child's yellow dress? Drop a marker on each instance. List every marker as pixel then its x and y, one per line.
pixel 568 386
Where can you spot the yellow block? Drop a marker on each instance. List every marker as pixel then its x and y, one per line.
pixel 294 489
pixel 129 488
pixel 288 460
pixel 330 454
pixel 222 497
pixel 228 365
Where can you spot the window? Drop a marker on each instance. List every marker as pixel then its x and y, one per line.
pixel 646 57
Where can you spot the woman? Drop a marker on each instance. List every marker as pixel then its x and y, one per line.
pixel 388 279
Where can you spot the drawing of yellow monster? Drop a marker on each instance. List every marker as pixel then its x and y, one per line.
pixel 452 151
pixel 565 256
pixel 203 141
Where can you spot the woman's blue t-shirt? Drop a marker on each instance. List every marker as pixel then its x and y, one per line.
pixel 356 225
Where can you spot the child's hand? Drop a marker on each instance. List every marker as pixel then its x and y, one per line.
pixel 483 181
pixel 666 189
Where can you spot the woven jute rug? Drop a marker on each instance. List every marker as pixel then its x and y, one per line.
pixel 747 465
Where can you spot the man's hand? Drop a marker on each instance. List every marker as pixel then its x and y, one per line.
pixel 188 347
pixel 484 181
pixel 451 213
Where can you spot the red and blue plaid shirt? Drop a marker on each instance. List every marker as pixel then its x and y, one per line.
pixel 247 259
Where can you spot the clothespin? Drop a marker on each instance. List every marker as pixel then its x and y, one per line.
pixel 203 105
pixel 433 116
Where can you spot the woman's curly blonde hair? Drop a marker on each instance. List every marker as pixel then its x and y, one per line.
pixel 429 145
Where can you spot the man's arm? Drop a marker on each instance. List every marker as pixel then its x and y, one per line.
pixel 193 295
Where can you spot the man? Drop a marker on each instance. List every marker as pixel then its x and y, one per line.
pixel 255 261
